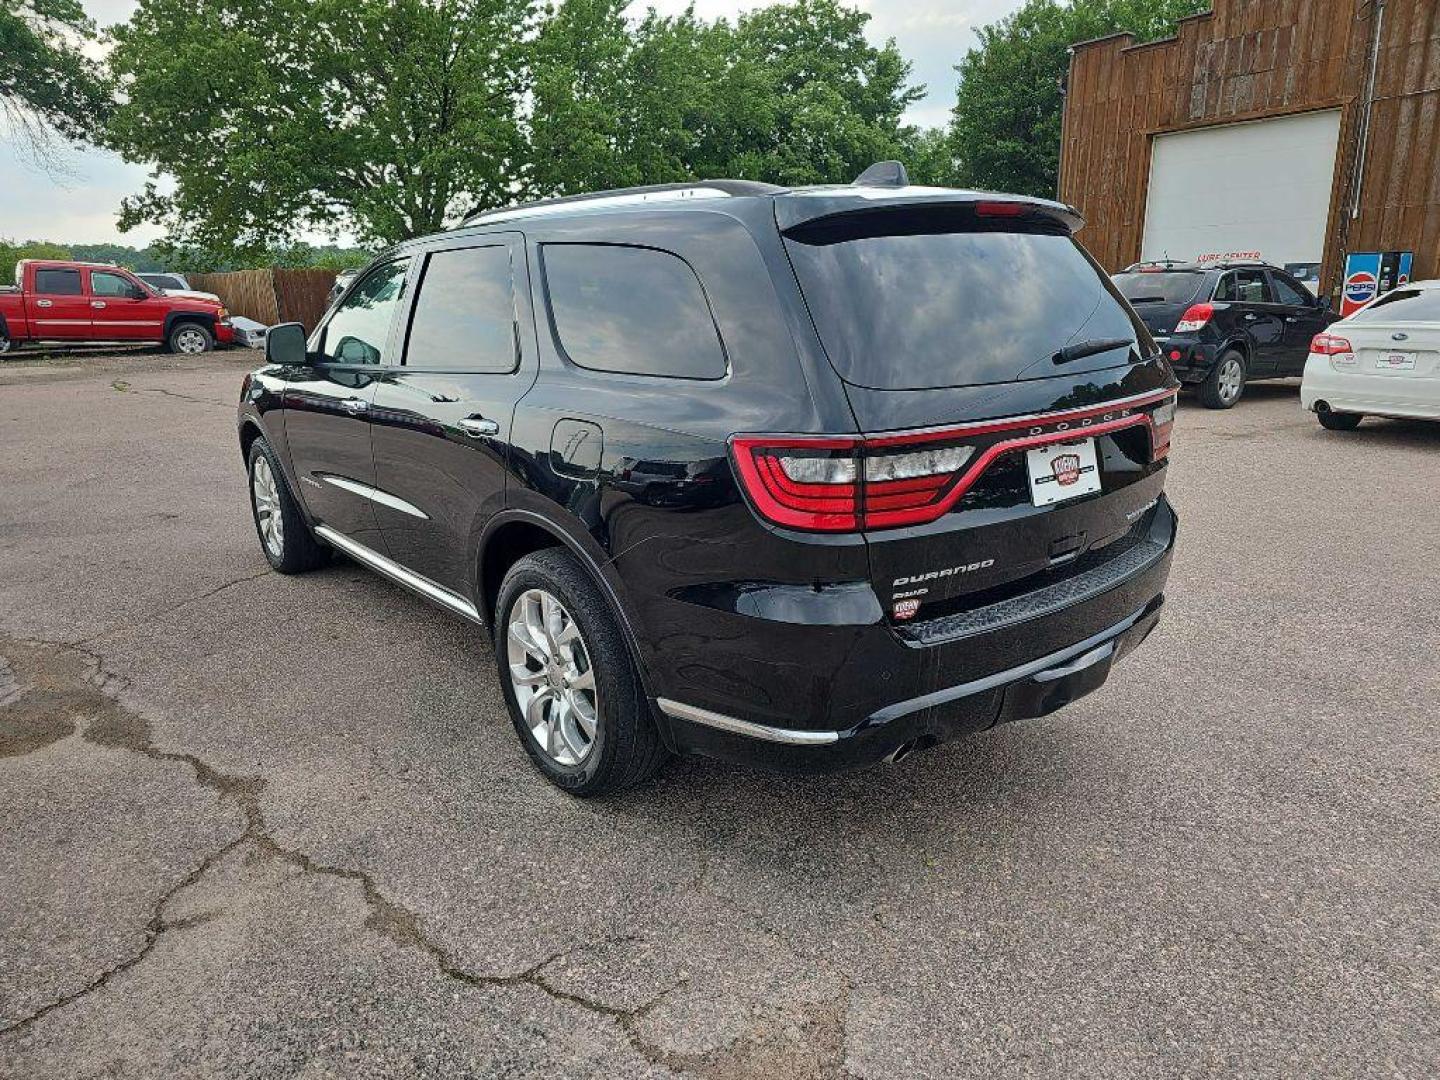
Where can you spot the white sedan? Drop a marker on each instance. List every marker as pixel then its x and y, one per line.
pixel 1384 360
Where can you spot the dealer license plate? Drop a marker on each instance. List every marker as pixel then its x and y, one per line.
pixel 1396 361
pixel 1061 471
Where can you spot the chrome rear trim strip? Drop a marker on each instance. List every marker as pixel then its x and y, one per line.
pixel 788 736
pixel 397 573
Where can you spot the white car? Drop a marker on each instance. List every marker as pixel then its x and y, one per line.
pixel 175 285
pixel 1383 360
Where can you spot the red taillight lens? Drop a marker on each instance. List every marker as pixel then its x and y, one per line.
pixel 839 485
pixel 1330 345
pixel 1195 317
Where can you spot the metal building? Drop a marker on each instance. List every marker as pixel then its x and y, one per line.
pixel 1295 130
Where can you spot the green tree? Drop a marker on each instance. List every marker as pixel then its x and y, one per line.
pixel 274 118
pixel 12 252
pixel 1005 135
pixel 47 85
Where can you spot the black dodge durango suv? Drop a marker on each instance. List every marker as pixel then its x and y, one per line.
pixel 807 478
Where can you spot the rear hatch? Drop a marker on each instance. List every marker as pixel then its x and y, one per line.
pixel 1004 393
pixel 1161 297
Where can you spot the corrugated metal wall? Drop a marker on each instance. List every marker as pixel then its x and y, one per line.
pixel 1251 59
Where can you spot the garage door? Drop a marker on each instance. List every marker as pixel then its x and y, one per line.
pixel 1257 187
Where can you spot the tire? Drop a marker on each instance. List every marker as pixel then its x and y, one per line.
pixel 1339 421
pixel 190 339
pixel 6 344
pixel 292 549
pixel 622 746
pixel 1225 384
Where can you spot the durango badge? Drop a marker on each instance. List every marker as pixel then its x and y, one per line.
pixel 1067 468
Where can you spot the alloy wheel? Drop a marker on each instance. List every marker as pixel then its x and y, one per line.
pixel 1231 378
pixel 266 494
pixel 551 674
pixel 190 341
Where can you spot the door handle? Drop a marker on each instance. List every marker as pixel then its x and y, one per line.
pixel 354 406
pixel 97 303
pixel 43 303
pixel 479 427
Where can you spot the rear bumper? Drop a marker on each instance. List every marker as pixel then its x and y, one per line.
pixel 1375 394
pixel 1191 360
pixel 1037 688
pixel 880 693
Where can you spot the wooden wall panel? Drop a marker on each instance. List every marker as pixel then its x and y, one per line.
pixel 1251 59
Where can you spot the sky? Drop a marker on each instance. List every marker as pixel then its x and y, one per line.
pixel 80 206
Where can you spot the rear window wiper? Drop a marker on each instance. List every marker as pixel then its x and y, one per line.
pixel 1082 349
pixel 1146 299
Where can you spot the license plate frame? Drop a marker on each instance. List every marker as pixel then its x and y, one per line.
pixel 1059 472
pixel 1395 361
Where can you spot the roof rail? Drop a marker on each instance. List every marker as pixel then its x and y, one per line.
pixel 698 189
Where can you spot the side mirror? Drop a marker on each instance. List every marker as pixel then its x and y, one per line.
pixel 137 293
pixel 285 344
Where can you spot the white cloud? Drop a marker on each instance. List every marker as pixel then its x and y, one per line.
pixel 932 34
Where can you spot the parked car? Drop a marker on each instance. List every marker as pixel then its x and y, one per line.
pixel 1383 360
pixel 175 285
pixel 807 478
pixel 1223 325
pixel 342 280
pixel 58 300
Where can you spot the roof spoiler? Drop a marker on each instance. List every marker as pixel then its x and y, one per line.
pixel 804 207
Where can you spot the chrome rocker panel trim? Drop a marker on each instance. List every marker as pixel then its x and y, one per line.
pixel 395 572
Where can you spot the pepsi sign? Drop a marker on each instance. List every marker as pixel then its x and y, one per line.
pixel 1360 288
pixel 1362 279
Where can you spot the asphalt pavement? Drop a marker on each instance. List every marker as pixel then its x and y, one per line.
pixel 259 826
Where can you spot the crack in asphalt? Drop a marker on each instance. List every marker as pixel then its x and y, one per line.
pixel 106 722
pixel 111 725
pixel 160 613
pixel 128 388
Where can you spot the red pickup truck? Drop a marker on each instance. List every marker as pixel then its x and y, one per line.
pixel 56 300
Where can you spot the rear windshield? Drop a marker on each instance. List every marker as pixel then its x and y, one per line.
pixel 911 302
pixel 1156 288
pixel 1402 305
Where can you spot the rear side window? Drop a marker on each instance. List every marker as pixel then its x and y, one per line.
pixel 635 311
pixel 464 316
pixel 1243 287
pixel 914 301
pixel 358 331
pixel 1402 305
pixel 57 282
pixel 1159 288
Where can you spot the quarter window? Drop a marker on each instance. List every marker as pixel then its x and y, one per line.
pixel 58 282
pixel 635 311
pixel 464 314
pixel 358 331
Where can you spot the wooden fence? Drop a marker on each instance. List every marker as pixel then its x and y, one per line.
pixel 271 296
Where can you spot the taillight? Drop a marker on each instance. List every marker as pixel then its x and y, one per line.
pixel 1162 423
pixel 1339 349
pixel 833 483
pixel 839 485
pixel 1195 317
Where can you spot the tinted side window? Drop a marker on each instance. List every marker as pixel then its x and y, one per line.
pixel 357 332
pixel 632 310
pixel 102 284
pixel 58 282
pixel 1402 305
pixel 464 316
pixel 1291 292
pixel 1243 287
